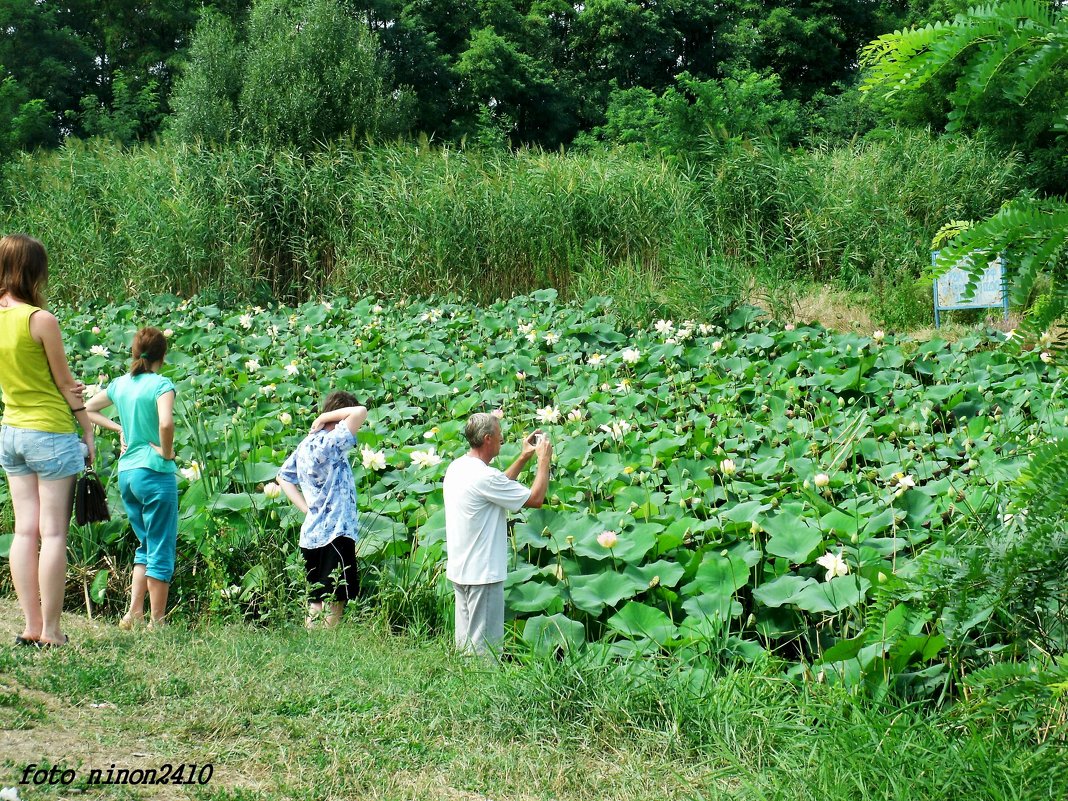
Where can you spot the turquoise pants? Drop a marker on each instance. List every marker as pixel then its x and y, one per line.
pixel 151 501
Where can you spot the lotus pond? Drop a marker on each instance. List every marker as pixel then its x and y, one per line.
pixel 735 490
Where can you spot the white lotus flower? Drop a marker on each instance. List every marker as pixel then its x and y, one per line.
pixel 551 338
pixel 246 321
pixel 705 330
pixel 96 329
pixel 292 368
pixel 623 387
pixel 596 359
pixel 1046 357
pixel 834 564
pixel 498 413
pixel 821 480
pixel 576 414
pixel 1010 334
pixel 631 355
pixel 272 490
pixel 520 376
pixel 285 418
pixel 373 460
pixel 91 390
pixel 99 350
pixel 717 346
pixel 904 481
pixel 268 389
pixel 252 365
pixel 608 539
pixel 376 309
pixel 617 429
pixel 328 305
pixel 550 414
pixel 9 794
pixel 664 327
pixel 878 336
pixel 525 328
pixel 425 458
pixel 191 473
pixel 728 467
pixel 168 333
pixel 788 327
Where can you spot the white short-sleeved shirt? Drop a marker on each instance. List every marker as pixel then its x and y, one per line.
pixel 477 500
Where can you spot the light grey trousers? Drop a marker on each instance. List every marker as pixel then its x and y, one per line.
pixel 479 617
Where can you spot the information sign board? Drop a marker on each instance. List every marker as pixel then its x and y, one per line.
pixel 950 289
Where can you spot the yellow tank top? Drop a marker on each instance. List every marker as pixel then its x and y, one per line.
pixel 31 398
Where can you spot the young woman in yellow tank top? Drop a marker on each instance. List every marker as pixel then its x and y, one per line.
pixel 39 449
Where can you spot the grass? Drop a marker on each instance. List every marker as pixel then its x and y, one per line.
pixel 358 713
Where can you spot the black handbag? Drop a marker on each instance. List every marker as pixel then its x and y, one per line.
pixel 90 500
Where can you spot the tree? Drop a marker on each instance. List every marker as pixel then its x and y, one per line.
pixel 306 73
pixel 1006 51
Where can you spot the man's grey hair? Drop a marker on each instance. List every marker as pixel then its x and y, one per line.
pixel 479 426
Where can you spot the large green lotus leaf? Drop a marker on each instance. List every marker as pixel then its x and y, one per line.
pixel 878 522
pixel 781 590
pixel 843 524
pixel 256 473
pixel 718 575
pixel 433 530
pixel 712 608
pixel 548 634
pixel 5 544
pixel 747 512
pixel 573 453
pixel 640 498
pixel 835 595
pixel 792 537
pixel 233 502
pixel 662 573
pixel 539 529
pixel 632 546
pixel 638 621
pixel 919 507
pixel 668 446
pixel 533 596
pixel 593 593
pixel 519 574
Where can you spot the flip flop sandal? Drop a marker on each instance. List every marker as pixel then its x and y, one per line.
pixel 46 644
pixel 27 641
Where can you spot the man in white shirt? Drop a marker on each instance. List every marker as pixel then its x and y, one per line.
pixel 477 500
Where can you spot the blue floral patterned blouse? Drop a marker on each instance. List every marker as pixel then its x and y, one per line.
pixel 320 465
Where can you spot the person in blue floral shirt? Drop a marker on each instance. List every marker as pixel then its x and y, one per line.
pixel 317 478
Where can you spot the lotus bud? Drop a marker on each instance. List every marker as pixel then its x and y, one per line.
pixel 654 582
pixel 754 528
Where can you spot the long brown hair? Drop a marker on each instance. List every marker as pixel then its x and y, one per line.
pixel 23 268
pixel 149 347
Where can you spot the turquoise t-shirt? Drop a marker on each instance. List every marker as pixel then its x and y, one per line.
pixel 135 398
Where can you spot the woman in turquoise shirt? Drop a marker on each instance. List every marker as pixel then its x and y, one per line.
pixel 147 480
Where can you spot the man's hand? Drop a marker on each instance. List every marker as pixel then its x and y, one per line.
pixel 530 444
pixel 77 391
pixel 544 449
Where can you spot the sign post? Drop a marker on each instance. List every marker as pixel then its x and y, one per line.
pixel 950 289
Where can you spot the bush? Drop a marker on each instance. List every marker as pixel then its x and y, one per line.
pixel 256 223
pixel 860 216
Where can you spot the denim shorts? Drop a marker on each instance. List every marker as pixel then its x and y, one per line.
pixel 50 456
